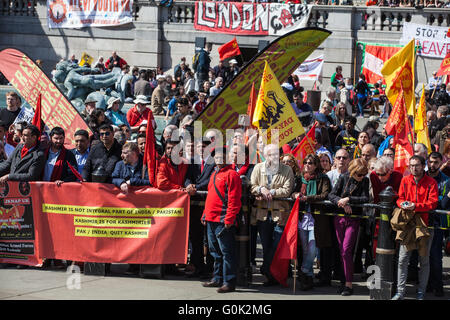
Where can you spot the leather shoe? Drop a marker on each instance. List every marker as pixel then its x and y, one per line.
pixel 439 292
pixel 225 288
pixel 211 284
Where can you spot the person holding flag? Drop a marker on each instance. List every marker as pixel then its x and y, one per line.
pixel 314 232
pixel 271 180
pixel 274 111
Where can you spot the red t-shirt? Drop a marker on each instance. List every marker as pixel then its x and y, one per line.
pixel 135 118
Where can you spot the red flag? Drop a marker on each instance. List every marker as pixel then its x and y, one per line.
pixel 287 247
pixel 444 69
pixel 306 146
pixel 75 172
pixel 37 116
pixel 398 125
pixel 229 49
pixel 150 151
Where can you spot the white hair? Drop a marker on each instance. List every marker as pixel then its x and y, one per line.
pixel 384 163
pixel 269 147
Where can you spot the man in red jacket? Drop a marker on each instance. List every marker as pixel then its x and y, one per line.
pixel 417 192
pixel 171 175
pixel 222 205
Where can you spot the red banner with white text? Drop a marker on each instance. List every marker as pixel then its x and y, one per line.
pixel 101 224
pixel 29 80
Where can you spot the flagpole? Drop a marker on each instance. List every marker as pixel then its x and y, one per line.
pixel 354 62
pixel 295 274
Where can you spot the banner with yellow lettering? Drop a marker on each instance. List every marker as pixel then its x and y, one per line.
pixel 274 111
pixel 399 71
pixel 30 81
pixel 283 55
pixel 101 224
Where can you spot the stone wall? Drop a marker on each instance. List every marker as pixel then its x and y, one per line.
pixel 161 36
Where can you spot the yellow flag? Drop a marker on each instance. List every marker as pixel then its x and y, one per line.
pixel 420 122
pixel 274 111
pixel 399 70
pixel 85 58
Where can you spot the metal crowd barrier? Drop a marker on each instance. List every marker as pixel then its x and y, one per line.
pixel 386 245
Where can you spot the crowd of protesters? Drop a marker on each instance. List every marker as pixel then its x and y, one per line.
pixel 350 166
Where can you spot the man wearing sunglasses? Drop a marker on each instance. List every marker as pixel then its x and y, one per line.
pixel 102 157
pixel 341 161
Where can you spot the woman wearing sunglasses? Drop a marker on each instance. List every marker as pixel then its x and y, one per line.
pixel 351 188
pixel 313 231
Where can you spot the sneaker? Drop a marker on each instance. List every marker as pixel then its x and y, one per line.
pixel 398 296
pixel 420 296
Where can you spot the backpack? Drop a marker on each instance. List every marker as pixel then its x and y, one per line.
pixel 352 98
pixel 195 60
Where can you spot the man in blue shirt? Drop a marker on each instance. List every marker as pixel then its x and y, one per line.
pixel 81 150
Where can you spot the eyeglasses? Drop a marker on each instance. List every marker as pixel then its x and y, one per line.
pixel 107 133
pixel 342 158
pixel 308 162
pixel 382 174
pixel 359 175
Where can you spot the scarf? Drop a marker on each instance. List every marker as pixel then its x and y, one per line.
pixel 357 152
pixel 58 168
pixel 243 170
pixel 309 184
pixel 25 151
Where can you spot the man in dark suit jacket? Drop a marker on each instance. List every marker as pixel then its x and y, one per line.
pixel 103 157
pixel 27 161
pixel 197 178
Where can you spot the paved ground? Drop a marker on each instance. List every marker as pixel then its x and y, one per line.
pixel 33 283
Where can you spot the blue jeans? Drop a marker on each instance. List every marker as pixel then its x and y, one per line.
pixel 223 250
pixel 270 233
pixel 360 108
pixel 308 243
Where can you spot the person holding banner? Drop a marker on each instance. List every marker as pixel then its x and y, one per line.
pixel 128 172
pixel 27 161
pixel 222 205
pixel 102 157
pixel 169 174
pixel 59 162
